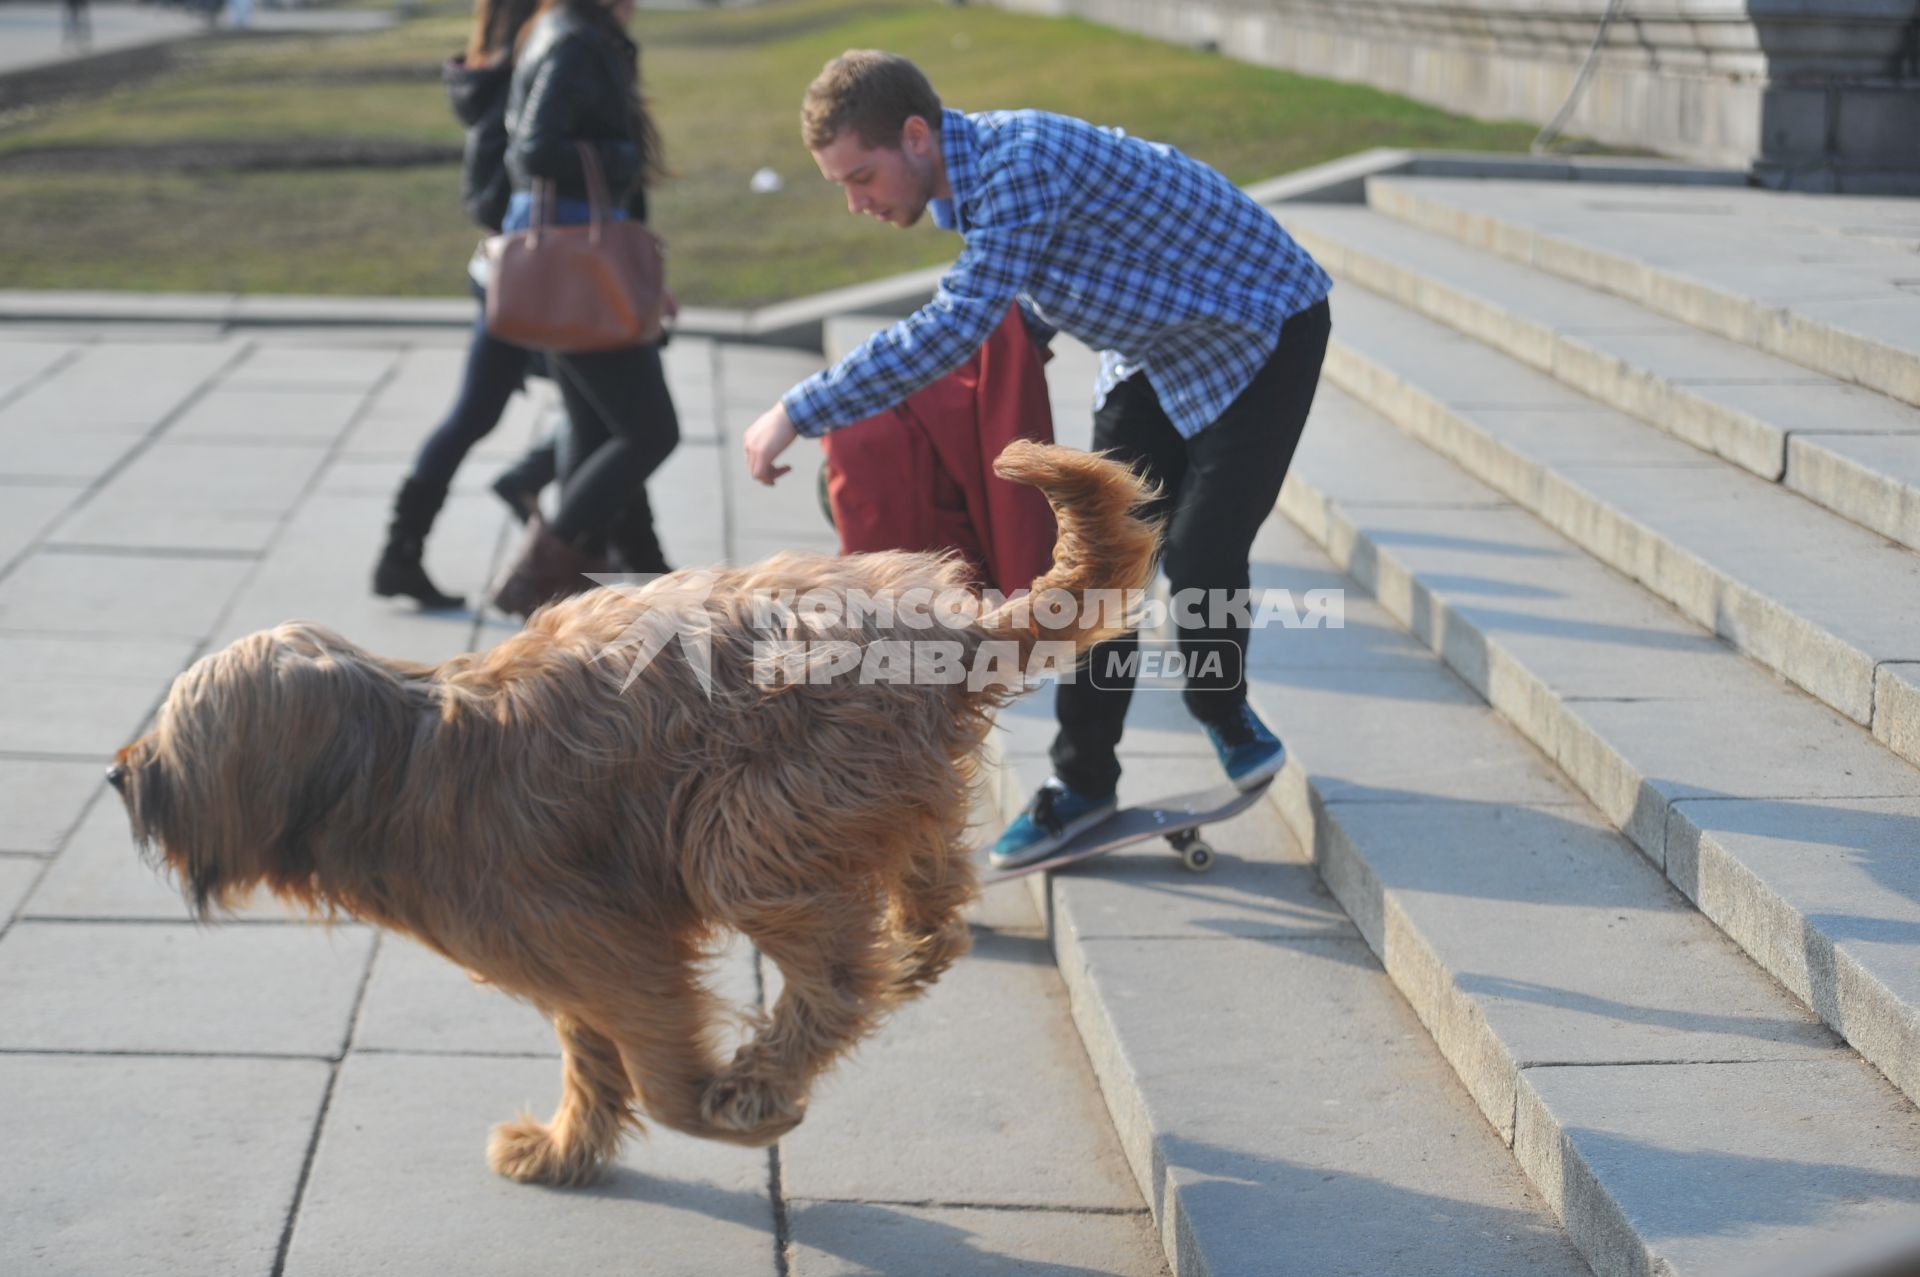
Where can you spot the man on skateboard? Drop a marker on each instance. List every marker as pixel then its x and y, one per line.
pixel 1212 323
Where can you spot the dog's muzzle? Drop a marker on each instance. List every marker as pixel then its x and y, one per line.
pixel 117 777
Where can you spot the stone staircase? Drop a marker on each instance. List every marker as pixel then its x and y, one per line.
pixel 1634 466
pixel 1609 780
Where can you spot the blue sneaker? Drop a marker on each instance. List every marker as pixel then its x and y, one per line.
pixel 1054 817
pixel 1251 754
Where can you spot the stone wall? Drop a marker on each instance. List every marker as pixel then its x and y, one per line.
pixel 1818 94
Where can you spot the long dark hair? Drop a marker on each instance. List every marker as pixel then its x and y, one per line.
pixel 597 13
pixel 497 25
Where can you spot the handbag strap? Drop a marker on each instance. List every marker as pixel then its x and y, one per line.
pixel 599 203
pixel 545 193
pixel 541 215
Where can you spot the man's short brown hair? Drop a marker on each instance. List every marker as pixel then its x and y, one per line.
pixel 871 92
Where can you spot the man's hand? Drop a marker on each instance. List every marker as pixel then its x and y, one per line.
pixel 766 439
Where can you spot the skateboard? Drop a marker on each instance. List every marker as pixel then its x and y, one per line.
pixel 1177 819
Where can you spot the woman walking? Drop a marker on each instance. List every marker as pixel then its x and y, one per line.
pixel 576 79
pixel 477 85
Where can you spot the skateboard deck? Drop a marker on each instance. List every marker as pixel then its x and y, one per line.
pixel 1177 819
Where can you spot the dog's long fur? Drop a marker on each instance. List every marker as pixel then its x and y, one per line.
pixel 584 843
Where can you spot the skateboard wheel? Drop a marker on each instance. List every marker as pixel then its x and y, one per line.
pixel 1197 857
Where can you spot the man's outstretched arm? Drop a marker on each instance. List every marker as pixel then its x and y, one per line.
pixel 933 341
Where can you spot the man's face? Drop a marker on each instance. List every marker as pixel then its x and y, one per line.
pixel 888 182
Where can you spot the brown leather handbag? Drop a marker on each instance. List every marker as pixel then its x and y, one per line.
pixel 601 286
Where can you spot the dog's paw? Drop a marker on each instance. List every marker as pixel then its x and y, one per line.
pixel 749 1109
pixel 524 1150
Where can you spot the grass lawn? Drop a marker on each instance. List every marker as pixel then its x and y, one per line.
pixel 726 86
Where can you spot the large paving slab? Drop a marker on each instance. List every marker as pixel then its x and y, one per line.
pixel 400 1184
pixel 1021 1123
pixel 320 569
pixel 841 1239
pixel 314 367
pixel 237 410
pixel 116 385
pixel 24 362
pixel 73 715
pixel 100 875
pixel 41 801
pixel 179 988
pixel 97 594
pixel 145 1167
pixel 183 494
pixel 83 696
pixel 18 873
pixel 65 459
pixel 419 1003
pixel 29 509
pixel 1716 1168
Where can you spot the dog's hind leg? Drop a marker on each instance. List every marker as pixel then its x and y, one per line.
pixel 842 969
pixel 575 1147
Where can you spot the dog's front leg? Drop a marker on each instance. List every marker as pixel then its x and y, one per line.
pixel 929 909
pixel 842 969
pixel 575 1147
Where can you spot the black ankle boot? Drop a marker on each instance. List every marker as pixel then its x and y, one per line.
pixel 400 571
pixel 635 545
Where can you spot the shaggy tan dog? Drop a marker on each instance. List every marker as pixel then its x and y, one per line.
pixel 581 815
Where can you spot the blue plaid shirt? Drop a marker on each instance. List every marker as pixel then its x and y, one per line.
pixel 1145 254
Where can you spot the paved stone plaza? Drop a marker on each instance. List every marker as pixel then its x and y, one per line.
pixel 274 1096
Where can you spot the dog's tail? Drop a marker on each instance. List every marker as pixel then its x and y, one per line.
pixel 1102 557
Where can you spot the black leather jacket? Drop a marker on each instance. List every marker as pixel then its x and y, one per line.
pixel 478 96
pixel 573 82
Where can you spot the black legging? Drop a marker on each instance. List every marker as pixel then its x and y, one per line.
pixel 623 427
pixel 1217 488
pixel 494 370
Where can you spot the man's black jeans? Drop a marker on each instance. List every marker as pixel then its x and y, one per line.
pixel 1217 488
